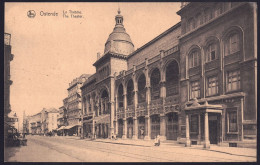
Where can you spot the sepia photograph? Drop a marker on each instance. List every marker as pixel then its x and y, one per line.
pixel 130 81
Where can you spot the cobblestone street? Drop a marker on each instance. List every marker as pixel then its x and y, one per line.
pixel 73 149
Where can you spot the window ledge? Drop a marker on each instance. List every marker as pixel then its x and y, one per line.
pixel 232 133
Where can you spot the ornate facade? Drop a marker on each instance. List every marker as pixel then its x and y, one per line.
pixel 194 83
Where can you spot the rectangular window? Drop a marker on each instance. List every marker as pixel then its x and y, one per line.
pixel 194 59
pixel 212 84
pixel 232 120
pixel 194 123
pixel 195 89
pixel 211 52
pixel 232 44
pixel 233 80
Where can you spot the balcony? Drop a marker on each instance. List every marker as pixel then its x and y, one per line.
pixel 172 104
pixel 156 106
pixel 141 109
pixel 130 111
pixel 120 109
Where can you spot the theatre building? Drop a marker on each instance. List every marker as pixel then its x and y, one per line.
pixel 194 83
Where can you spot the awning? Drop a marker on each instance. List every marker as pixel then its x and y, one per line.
pixel 103 119
pixel 71 126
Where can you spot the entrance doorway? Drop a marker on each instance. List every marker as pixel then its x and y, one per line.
pixel 141 127
pixel 120 128
pixel 213 129
pixel 172 126
pixel 155 126
pixel 129 128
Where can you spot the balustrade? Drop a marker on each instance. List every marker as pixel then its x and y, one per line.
pixel 156 106
pixel 130 111
pixel 141 109
pixel 172 104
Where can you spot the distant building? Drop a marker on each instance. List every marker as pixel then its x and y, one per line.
pixel 61 117
pixel 44 121
pixel 72 105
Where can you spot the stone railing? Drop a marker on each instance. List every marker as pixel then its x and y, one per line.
pixel 172 50
pixel 129 71
pixel 155 58
pixel 120 109
pixel 172 104
pixel 172 100
pixel 140 66
pixel 141 109
pixel 120 115
pixel 156 106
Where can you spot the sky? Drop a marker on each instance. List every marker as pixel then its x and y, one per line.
pixel 50 51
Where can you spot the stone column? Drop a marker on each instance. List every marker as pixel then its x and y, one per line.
pixel 207 143
pixel 199 135
pixel 147 128
pixel 162 128
pixel 93 128
pixel 187 131
pixel 148 97
pixel 101 130
pixel 135 128
pixel 102 108
pixel 112 115
pixel 124 128
pixel 98 108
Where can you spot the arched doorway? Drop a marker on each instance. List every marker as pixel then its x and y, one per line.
pixel 141 89
pixel 129 127
pixel 120 128
pixel 172 126
pixel 105 108
pixel 155 84
pixel 155 126
pixel 141 127
pixel 172 78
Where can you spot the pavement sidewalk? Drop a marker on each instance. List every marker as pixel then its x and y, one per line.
pixel 249 152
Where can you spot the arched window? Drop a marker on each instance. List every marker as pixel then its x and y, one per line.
pixel 141 89
pixel 120 96
pixel 194 58
pixel 155 84
pixel 130 92
pixel 211 52
pixel 172 79
pixel 232 43
pixel 191 24
pixel 105 102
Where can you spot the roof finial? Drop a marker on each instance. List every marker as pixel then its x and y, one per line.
pixel 118 11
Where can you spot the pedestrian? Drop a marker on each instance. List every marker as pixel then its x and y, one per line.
pixel 157 141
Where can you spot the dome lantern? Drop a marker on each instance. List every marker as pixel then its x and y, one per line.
pixel 119 41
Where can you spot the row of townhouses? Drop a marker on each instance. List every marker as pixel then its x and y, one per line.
pixel 42 122
pixel 195 83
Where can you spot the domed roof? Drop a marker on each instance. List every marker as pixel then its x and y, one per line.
pixel 119 41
